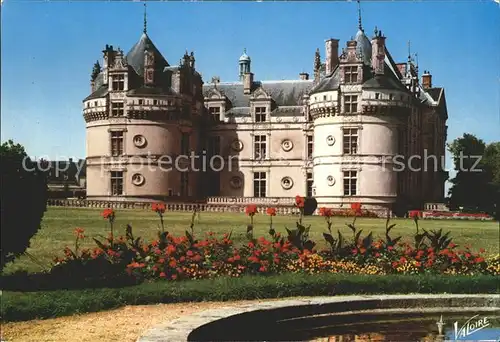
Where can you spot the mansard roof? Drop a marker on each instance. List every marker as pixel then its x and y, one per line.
pixel 135 57
pixel 283 93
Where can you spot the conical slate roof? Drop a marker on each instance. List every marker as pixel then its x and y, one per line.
pixel 135 57
pixel 364 46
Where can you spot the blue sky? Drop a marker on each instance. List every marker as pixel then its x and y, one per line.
pixel 48 50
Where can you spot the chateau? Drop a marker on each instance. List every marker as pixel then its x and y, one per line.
pixel 340 135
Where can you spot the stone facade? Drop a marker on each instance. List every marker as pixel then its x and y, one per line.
pixel 341 137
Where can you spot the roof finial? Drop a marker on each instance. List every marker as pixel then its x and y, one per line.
pixel 145 20
pixel 409 51
pixel 359 16
pixel 245 51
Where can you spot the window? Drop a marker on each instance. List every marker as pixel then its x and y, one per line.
pixel 260 114
pixel 377 95
pixel 309 146
pixel 259 184
pixel 309 184
pixel 350 137
pixel 117 183
pixel 350 183
pixel 118 82
pixel 391 96
pixel 117 109
pixel 141 102
pixel 155 102
pixel 184 183
pixel 260 147
pixel 213 148
pixel 95 103
pixel 185 144
pixel 351 74
pixel 116 143
pixel 215 113
pixel 351 103
pixel 324 97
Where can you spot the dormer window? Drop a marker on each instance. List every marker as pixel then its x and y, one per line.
pixel 214 113
pixel 260 114
pixel 351 74
pixel 118 82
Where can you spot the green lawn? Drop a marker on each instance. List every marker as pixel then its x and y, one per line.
pixel 59 223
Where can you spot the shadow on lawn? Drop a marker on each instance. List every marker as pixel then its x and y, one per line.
pixel 25 282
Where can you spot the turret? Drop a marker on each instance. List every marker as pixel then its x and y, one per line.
pixel 95 72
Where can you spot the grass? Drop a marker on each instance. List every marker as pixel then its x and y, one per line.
pixel 58 225
pixel 17 306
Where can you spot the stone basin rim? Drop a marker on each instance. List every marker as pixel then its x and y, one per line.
pixel 179 329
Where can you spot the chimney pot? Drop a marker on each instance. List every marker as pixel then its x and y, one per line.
pixel 304 76
pixel 247 83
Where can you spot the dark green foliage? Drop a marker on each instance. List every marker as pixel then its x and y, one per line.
pixel 310 205
pixel 23 200
pixel 18 306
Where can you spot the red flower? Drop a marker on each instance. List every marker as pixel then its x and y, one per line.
pixel 158 207
pixel 356 207
pixel 251 210
pixel 271 211
pixel 299 201
pixel 174 276
pixel 402 260
pixel 163 275
pixel 108 214
pixel 479 260
pixel 79 233
pixel 481 250
pixel 325 212
pixel 415 214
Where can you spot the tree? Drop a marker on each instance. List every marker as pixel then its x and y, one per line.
pixel 476 184
pixel 23 200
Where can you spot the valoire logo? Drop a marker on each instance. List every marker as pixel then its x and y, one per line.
pixel 470 327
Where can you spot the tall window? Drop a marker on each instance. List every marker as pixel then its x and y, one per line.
pixel 350 183
pixel 214 113
pixel 184 183
pixel 350 140
pixel 351 74
pixel 260 114
pixel 351 103
pixel 260 147
pixel 309 146
pixel 116 143
pixel 185 144
pixel 118 82
pixel 117 183
pixel 259 184
pixel 117 109
pixel 213 148
pixel 309 184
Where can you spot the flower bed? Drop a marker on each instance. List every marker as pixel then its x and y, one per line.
pixel 447 215
pixel 197 257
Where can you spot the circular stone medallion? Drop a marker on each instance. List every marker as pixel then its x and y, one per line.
pixel 286 183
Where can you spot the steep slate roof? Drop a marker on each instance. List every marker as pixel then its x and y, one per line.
pixel 284 93
pixel 135 57
pixel 364 47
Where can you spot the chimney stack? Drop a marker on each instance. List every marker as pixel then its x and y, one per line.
pixel 247 83
pixel 427 80
pixel 304 76
pixel 332 55
pixel 378 52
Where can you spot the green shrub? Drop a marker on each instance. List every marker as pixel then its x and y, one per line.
pixel 23 200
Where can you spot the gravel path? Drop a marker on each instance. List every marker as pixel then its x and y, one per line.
pixel 125 324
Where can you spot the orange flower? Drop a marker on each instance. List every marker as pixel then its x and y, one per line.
pixel 325 212
pixel 415 214
pixel 299 201
pixel 158 207
pixel 251 210
pixel 356 207
pixel 271 211
pixel 108 214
